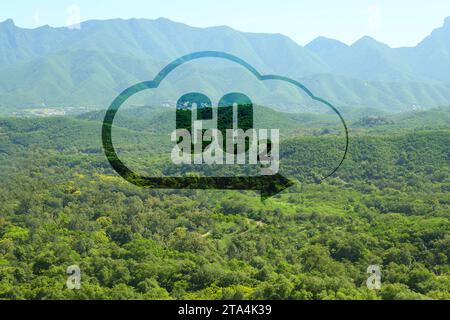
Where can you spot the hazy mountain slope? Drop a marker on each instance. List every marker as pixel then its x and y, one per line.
pixel 432 56
pixel 89 67
pixel 73 78
pixel 159 39
pixel 368 59
pixel 383 95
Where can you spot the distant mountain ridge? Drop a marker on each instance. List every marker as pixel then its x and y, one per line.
pixel 89 67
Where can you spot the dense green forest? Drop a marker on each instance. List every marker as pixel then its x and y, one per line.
pixel 388 205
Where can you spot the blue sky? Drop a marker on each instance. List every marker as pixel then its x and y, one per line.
pixel 395 22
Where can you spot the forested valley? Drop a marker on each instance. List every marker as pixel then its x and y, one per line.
pixel 388 205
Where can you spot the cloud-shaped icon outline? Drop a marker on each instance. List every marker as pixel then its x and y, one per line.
pixel 136 179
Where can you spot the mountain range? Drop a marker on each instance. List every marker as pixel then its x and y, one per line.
pixel 88 67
